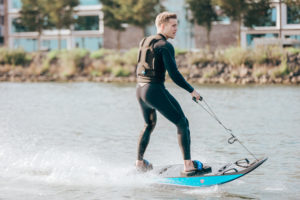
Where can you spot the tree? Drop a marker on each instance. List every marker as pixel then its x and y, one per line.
pixel 245 10
pixel 61 14
pixel 116 16
pixel 293 10
pixel 33 17
pixel 144 12
pixel 119 13
pixel 204 14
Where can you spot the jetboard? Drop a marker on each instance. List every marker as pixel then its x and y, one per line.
pixel 172 174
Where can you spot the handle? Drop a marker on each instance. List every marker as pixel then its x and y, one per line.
pixel 194 99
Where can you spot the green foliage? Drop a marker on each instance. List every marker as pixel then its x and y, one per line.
pixel 179 51
pixel 100 53
pixel 293 9
pixel 96 73
pixel 116 13
pixel 61 13
pixel 33 15
pixel 14 57
pixel 71 61
pixel 235 56
pixel 293 50
pixel 142 13
pixel 51 57
pixel 130 56
pixel 211 73
pixel 135 12
pixel 115 59
pixel 200 57
pixel 203 13
pixel 251 12
pixel 258 14
pixel 259 55
pixel 120 71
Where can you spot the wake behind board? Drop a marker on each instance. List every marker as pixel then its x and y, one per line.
pixel 171 174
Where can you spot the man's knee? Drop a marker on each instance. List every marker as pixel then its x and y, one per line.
pixel 183 124
pixel 150 125
pixel 151 122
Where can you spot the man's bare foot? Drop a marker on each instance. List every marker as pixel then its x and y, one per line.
pixel 188 165
pixel 139 163
pixel 143 165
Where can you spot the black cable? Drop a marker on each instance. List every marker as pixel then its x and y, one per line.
pixel 233 138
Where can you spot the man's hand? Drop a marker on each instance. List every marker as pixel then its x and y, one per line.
pixel 196 95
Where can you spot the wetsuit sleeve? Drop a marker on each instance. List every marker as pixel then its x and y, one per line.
pixel 171 67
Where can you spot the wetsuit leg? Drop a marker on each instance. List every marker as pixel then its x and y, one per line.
pixel 157 97
pixel 149 115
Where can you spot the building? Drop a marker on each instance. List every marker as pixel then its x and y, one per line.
pixel 90 33
pixel 282 27
pixel 2 21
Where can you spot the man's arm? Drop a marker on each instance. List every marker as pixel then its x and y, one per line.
pixel 171 67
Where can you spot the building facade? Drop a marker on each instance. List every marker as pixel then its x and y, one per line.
pixel 89 32
pixel 2 22
pixel 282 26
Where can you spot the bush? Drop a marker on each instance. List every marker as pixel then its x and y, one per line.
pixel 259 56
pixel 120 71
pixel 115 59
pixel 236 56
pixel 100 53
pixel 283 70
pixel 130 57
pixel 293 50
pixel 14 57
pixel 71 60
pixel 179 51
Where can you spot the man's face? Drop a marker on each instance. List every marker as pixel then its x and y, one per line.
pixel 170 28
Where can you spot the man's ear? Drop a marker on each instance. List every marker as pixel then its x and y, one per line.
pixel 162 26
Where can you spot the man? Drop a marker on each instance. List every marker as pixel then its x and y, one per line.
pixel 156 56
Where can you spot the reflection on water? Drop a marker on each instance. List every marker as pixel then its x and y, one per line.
pixel 78 141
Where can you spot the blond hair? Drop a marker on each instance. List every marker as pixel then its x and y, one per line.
pixel 164 17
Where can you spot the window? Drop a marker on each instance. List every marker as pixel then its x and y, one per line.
pixel 17 27
pixel 269 19
pixel 295 37
pixel 250 37
pixel 293 14
pixel 1 20
pixel 16 4
pixel 90 43
pixel 53 44
pixel 89 2
pixel 85 23
pixel 26 44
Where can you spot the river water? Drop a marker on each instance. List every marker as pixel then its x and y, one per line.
pixel 78 141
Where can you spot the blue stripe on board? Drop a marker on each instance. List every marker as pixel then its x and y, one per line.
pixel 200 181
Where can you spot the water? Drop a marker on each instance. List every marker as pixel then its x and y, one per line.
pixel 78 141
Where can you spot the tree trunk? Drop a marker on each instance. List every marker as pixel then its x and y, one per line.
pixel 59 40
pixel 239 32
pixel 39 41
pixel 208 39
pixel 119 40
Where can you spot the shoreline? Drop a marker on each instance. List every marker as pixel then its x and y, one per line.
pixel 110 79
pixel 231 66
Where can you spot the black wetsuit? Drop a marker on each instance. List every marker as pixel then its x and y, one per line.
pixel 152 95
